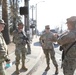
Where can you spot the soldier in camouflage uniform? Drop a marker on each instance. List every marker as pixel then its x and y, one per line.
pixel 69 62
pixel 46 40
pixel 3 48
pixel 20 42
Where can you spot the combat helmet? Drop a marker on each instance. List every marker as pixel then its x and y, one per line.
pixel 72 20
pixel 47 27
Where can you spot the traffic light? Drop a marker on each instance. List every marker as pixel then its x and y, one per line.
pixel 23 10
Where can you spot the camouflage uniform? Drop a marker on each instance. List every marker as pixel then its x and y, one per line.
pixel 69 62
pixel 20 51
pixel 46 40
pixel 3 52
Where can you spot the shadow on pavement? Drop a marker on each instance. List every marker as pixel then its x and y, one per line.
pixel 37 44
pixel 14 73
pixel 44 73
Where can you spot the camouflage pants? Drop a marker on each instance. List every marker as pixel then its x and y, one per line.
pixel 50 53
pixel 1 69
pixel 69 66
pixel 20 54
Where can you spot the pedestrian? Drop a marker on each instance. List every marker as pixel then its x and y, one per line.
pixel 46 40
pixel 68 42
pixel 20 41
pixel 3 49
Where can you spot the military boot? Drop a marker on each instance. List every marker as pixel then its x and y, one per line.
pixel 47 68
pixel 56 72
pixel 17 69
pixel 23 67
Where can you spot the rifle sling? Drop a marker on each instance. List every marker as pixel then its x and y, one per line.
pixel 70 47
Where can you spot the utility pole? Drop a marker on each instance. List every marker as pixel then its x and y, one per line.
pixel 27 27
pixel 26 16
pixel 32 7
pixel 36 16
pixel 36 21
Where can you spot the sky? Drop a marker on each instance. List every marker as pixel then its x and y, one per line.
pixel 53 12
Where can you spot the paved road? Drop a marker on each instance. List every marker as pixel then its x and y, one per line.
pixel 31 59
pixel 34 61
pixel 42 66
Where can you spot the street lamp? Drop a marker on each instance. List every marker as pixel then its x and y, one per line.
pixel 36 16
pixel 32 20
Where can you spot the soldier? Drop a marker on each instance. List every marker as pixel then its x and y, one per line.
pixel 67 41
pixel 20 41
pixel 47 39
pixel 3 49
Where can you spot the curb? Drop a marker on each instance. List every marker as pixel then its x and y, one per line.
pixel 33 69
pixel 34 64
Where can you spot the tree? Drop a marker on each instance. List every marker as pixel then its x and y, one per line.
pixel 0 2
pixel 5 18
pixel 14 15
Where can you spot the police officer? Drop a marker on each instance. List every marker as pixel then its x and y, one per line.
pixel 20 42
pixel 47 39
pixel 66 40
pixel 3 48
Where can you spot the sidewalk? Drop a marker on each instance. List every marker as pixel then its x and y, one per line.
pixel 31 59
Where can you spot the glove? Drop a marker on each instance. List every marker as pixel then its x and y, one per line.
pixel 61 48
pixel 7 60
pixel 8 63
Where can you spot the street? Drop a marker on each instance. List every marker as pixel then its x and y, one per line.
pixel 41 68
pixel 36 61
pixel 31 59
